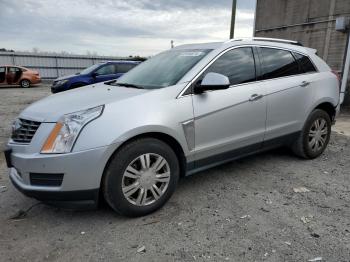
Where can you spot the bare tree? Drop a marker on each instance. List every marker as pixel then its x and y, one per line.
pixel 35 50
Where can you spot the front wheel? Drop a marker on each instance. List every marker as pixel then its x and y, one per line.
pixel 315 135
pixel 141 177
pixel 25 83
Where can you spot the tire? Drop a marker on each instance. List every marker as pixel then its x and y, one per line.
pixel 124 191
pixel 314 137
pixel 25 83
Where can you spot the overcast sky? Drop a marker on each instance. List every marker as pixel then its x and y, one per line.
pixel 118 27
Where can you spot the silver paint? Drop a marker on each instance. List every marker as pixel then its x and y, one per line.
pixel 203 125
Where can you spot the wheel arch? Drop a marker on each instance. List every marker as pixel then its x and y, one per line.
pixel 328 108
pixel 166 138
pixel 22 79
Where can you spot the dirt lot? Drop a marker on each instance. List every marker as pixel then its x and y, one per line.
pixel 243 211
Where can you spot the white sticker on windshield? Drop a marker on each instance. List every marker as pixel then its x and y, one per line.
pixel 191 53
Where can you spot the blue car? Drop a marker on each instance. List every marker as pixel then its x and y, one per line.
pixel 93 74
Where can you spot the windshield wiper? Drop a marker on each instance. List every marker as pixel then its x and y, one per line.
pixel 110 82
pixel 115 83
pixel 128 85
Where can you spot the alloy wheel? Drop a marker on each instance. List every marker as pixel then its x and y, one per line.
pixel 25 83
pixel 146 179
pixel 318 134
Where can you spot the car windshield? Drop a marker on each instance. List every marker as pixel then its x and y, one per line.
pixel 89 69
pixel 164 69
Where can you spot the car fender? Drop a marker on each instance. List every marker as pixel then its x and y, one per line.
pixel 320 101
pixel 144 130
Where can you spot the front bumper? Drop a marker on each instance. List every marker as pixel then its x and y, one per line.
pixel 59 88
pixel 67 199
pixel 81 175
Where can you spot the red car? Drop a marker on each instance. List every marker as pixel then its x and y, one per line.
pixel 18 75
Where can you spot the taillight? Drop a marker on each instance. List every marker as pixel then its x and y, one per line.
pixel 337 75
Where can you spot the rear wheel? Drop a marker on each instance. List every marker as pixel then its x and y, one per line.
pixel 315 135
pixel 141 177
pixel 25 83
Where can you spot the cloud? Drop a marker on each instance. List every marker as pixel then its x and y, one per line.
pixel 123 27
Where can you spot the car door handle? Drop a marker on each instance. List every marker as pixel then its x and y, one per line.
pixel 255 97
pixel 304 84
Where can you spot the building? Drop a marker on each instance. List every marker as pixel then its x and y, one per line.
pixel 311 22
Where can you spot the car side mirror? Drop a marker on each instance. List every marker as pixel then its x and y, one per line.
pixel 212 81
pixel 94 74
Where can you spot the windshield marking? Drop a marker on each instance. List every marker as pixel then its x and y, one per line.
pixel 192 54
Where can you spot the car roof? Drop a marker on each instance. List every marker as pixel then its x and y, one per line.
pixel 271 42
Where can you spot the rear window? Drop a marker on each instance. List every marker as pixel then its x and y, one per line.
pixel 306 66
pixel 278 63
pixel 14 69
pixel 123 68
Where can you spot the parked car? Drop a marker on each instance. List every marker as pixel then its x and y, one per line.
pixel 185 110
pixel 18 75
pixel 94 74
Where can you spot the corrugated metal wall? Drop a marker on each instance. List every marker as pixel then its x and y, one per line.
pixel 311 22
pixel 52 66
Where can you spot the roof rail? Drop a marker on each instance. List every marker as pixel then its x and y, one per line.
pixel 277 40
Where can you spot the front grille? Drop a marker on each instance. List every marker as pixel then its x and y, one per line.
pixel 43 179
pixel 23 130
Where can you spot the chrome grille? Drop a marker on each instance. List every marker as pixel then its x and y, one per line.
pixel 23 130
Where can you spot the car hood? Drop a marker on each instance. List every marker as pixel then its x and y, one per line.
pixel 65 77
pixel 51 108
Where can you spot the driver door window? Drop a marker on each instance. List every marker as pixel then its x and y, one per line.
pixel 238 65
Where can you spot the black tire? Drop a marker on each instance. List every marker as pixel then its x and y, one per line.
pixel 113 176
pixel 301 147
pixel 25 83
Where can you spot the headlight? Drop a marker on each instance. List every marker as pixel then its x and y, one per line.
pixel 67 129
pixel 61 82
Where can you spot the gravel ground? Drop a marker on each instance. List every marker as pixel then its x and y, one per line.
pixel 242 211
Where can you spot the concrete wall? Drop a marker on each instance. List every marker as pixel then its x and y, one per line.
pixel 311 22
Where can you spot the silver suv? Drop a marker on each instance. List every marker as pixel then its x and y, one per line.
pixel 182 111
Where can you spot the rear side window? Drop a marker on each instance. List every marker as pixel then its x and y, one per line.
pixel 278 63
pixel 306 66
pixel 238 65
pixel 106 70
pixel 123 68
pixel 14 69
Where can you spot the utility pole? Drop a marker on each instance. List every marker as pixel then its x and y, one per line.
pixel 233 18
